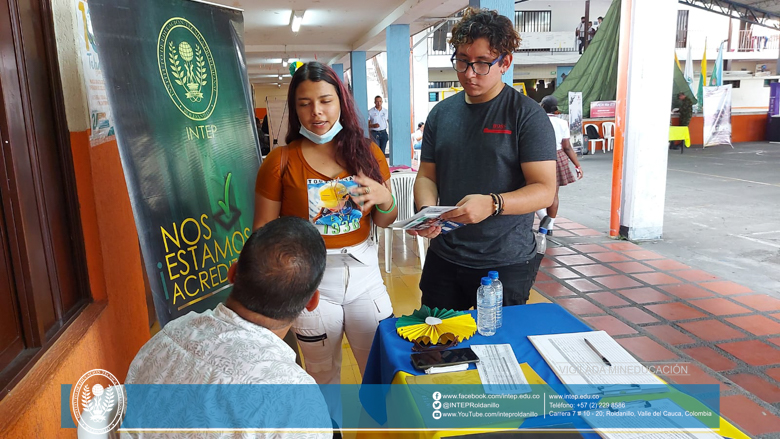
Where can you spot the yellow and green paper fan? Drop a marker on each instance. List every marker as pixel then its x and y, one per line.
pixel 434 323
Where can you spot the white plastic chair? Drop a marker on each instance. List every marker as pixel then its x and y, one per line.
pixel 415 160
pixel 402 185
pixel 592 142
pixel 608 130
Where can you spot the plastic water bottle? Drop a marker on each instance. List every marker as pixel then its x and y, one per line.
pixel 486 308
pixel 498 288
pixel 541 240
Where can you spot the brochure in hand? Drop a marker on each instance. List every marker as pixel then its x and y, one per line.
pixel 428 217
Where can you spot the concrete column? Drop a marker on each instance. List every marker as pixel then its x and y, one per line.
pixel 648 101
pixel 357 61
pixel 399 94
pixel 339 69
pixel 420 82
pixel 777 65
pixel 507 9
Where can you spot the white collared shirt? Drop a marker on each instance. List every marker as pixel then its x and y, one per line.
pixel 561 128
pixel 581 29
pixel 378 116
pixel 219 347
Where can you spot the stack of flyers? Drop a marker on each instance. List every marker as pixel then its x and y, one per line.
pixel 428 217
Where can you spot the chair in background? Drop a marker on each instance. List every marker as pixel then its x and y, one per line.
pixel 374 236
pixel 415 160
pixel 608 130
pixel 415 155
pixel 592 142
pixel 402 185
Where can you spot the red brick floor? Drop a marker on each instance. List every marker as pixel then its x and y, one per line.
pixel 662 310
pixel 669 335
pixel 609 324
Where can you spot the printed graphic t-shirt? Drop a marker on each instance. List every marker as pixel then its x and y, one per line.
pixel 323 201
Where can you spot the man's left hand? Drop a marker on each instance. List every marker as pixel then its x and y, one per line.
pixel 472 209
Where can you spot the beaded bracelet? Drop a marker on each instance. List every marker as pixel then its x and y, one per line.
pixel 388 210
pixel 498 204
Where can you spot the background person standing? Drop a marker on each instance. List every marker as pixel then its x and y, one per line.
pixel 580 32
pixel 377 123
pixel 685 110
pixel 565 153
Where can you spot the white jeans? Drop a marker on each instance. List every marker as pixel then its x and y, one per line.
pixel 352 300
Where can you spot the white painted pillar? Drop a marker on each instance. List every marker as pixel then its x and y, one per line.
pixel 648 104
pixel 420 79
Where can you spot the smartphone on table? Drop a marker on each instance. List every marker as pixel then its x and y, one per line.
pixel 425 360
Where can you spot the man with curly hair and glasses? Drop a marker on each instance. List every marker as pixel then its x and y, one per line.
pixel 490 150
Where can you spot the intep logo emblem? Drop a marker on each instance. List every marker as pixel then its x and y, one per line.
pixel 98 402
pixel 187 68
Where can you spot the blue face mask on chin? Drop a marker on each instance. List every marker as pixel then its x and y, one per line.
pixel 325 138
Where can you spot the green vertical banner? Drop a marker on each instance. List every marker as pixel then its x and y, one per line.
pixel 178 88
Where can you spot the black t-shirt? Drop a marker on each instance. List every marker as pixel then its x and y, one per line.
pixel 478 149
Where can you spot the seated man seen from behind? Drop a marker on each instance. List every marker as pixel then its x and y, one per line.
pixel 240 341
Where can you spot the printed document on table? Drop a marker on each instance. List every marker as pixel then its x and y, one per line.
pixel 499 371
pixel 428 217
pixel 658 419
pixel 585 372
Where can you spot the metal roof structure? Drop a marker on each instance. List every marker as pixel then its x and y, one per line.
pixel 759 12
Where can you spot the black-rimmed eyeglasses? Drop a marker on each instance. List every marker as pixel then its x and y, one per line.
pixel 478 67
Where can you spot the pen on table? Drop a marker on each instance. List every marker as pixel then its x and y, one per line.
pixel 603 358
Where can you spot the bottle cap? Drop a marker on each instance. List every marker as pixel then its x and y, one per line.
pixel 493 274
pixel 542 230
pixel 487 281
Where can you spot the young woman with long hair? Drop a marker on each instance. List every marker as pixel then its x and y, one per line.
pixel 332 175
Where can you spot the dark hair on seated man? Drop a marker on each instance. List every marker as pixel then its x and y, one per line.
pixel 279 269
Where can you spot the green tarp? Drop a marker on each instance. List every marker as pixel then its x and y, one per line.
pixel 595 74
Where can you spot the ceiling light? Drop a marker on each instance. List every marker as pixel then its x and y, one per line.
pixel 280 77
pixel 296 19
pixel 284 62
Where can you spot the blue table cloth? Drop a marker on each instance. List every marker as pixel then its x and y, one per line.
pixel 390 353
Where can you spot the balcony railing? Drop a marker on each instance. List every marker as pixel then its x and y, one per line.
pixel 532 42
pixel 750 42
pixel 745 41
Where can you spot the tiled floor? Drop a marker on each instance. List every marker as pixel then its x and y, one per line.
pixel 664 311
pixel 659 309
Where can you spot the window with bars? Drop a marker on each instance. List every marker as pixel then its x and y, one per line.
pixel 441 37
pixel 443 84
pixel 682 29
pixel 533 21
